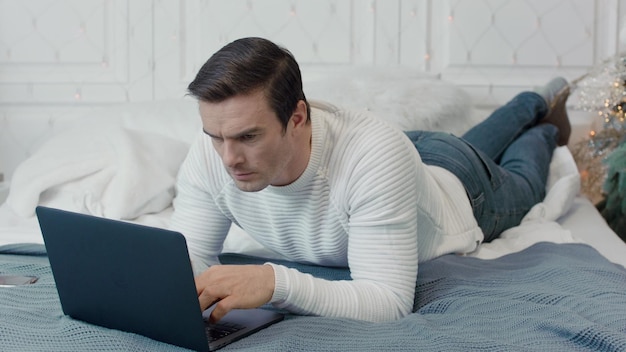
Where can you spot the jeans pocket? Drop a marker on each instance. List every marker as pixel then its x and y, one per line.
pixel 494 172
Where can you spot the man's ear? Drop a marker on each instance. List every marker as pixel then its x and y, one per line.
pixel 299 117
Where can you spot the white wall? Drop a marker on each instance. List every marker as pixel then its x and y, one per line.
pixel 59 58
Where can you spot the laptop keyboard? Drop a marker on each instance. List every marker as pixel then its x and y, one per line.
pixel 221 329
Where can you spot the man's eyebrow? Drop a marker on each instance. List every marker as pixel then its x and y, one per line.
pixel 252 130
pixel 208 134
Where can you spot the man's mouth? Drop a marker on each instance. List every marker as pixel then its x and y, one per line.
pixel 241 176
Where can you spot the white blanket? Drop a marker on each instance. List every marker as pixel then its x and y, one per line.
pixel 103 169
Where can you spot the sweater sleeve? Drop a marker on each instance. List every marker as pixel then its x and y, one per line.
pixel 381 201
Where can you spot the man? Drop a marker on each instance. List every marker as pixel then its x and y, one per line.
pixel 318 184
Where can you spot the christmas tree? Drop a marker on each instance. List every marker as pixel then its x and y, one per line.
pixel 601 158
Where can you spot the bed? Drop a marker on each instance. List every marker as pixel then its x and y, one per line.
pixel 556 282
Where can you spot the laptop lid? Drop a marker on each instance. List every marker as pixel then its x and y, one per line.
pixel 133 278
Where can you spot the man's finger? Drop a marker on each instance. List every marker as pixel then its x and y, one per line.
pixel 221 309
pixel 207 299
pixel 205 279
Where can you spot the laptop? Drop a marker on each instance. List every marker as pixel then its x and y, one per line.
pixel 137 279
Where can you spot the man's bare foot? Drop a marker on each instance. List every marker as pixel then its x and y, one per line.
pixel 556 93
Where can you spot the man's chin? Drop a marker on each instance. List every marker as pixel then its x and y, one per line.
pixel 249 186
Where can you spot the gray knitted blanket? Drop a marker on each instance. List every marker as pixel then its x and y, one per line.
pixel 547 297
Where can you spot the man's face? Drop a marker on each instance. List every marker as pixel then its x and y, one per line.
pixel 251 142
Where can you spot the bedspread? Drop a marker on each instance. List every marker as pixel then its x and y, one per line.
pixel 548 296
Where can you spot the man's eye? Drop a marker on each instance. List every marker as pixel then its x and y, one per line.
pixel 247 137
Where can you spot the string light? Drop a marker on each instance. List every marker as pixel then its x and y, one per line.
pixel 602 91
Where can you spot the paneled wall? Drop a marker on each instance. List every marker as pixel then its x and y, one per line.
pixel 59 58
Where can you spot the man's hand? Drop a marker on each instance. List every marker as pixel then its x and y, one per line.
pixel 234 286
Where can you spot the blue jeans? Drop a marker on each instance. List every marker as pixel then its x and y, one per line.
pixel 503 162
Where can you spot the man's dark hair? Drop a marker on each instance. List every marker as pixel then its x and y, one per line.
pixel 248 64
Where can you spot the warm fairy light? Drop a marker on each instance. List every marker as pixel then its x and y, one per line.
pixel 450 18
pixel 77 95
pixel 427 57
pixel 584 174
pixel 602 92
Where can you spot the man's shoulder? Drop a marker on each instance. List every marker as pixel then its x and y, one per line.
pixel 363 130
pixel 358 141
pixel 351 123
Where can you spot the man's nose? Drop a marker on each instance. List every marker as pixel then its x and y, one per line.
pixel 231 154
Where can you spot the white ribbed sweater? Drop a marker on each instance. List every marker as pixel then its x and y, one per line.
pixel 365 201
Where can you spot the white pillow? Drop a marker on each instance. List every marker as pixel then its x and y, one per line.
pixel 408 99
